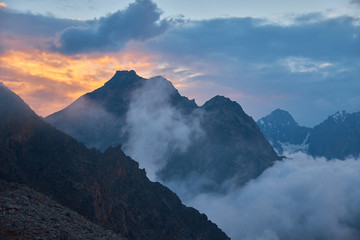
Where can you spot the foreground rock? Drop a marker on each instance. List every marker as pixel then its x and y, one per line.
pixel 26 214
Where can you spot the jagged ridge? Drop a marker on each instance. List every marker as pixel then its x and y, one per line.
pixel 232 146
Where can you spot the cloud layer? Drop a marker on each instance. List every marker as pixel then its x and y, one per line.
pixel 300 198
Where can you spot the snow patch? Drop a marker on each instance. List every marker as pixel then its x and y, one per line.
pixel 339 116
pixel 294 148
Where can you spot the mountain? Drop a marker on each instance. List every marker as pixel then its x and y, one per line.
pixel 217 141
pixel 27 214
pixel 337 137
pixel 106 188
pixel 283 132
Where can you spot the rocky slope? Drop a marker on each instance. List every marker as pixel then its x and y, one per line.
pixel 226 144
pixel 27 214
pixel 107 188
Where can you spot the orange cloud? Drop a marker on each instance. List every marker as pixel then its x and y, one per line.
pixel 50 81
pixel 2 4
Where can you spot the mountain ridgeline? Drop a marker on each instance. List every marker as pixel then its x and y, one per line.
pixel 106 188
pixel 336 137
pixel 217 141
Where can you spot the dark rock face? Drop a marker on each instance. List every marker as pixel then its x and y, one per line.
pixel 107 188
pixel 232 145
pixel 27 214
pixel 281 130
pixel 337 137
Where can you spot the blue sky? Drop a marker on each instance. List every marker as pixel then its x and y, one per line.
pixel 302 56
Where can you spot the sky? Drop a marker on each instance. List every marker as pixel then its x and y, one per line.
pixel 301 56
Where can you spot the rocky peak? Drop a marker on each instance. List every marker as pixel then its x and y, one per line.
pixel 123 79
pixel 279 117
pixel 223 103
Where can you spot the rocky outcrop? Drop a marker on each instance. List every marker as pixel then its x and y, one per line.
pixel 107 188
pixel 27 214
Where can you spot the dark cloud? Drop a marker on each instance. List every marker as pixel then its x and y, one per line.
pixel 355 2
pixel 29 24
pixel 140 21
pixel 254 39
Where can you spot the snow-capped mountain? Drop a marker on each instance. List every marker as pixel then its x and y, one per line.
pixel 337 137
pixel 283 132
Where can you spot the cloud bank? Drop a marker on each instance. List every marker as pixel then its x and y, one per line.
pixel 299 198
pixel 140 21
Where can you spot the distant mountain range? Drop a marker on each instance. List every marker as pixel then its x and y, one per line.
pixel 215 142
pixel 336 137
pixel 105 188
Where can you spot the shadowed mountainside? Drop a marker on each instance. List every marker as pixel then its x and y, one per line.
pixel 107 188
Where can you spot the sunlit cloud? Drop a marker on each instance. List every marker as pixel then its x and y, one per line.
pixel 2 4
pixel 50 81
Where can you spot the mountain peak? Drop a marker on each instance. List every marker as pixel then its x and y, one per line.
pixel 123 79
pixel 278 116
pixel 283 132
pixel 125 73
pixel 222 102
pixel 281 112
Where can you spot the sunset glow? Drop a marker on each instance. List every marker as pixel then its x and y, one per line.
pixel 50 81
